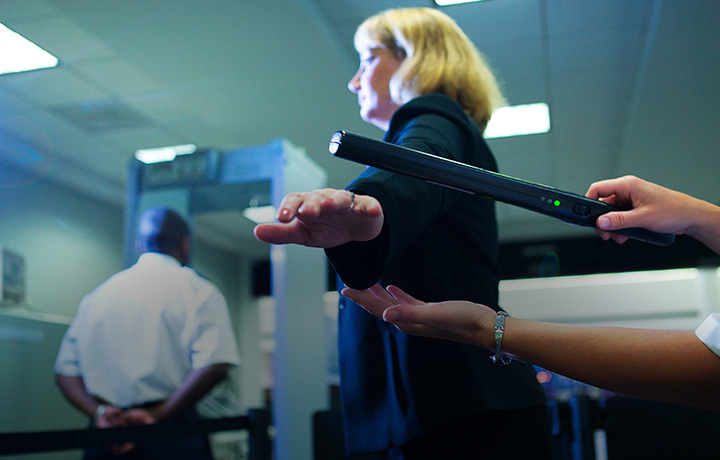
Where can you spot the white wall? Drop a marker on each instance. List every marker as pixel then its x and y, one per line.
pixel 661 299
pixel 70 243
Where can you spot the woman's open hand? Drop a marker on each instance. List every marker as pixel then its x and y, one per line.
pixel 324 219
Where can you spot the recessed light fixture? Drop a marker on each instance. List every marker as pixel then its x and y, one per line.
pixel 454 2
pixel 519 120
pixel 161 154
pixel 18 54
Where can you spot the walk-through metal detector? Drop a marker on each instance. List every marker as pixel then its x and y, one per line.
pixel 257 176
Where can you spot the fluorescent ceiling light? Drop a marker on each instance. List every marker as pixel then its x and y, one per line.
pixel 519 120
pixel 18 54
pixel 161 154
pixel 453 2
pixel 260 214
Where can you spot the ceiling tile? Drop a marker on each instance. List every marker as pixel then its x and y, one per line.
pixel 49 87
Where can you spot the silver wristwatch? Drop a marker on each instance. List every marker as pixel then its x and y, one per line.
pixel 99 412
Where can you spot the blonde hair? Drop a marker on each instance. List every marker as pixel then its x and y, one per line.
pixel 437 58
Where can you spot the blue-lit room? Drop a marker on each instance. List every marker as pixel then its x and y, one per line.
pixel 170 165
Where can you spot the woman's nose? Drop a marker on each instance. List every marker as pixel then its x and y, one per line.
pixel 354 83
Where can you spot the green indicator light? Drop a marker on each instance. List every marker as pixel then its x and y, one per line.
pixel 556 202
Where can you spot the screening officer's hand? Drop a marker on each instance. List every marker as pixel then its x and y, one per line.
pixel 649 205
pixel 459 321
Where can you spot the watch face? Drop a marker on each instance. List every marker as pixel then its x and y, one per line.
pixel 99 412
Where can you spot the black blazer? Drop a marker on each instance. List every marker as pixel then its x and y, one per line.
pixel 437 244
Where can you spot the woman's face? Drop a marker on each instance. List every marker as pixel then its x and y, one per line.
pixel 371 83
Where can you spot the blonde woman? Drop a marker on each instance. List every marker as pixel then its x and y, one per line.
pixel 427 87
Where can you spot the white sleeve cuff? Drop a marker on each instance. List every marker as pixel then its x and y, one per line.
pixel 709 332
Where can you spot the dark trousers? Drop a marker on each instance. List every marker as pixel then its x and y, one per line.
pixel 516 434
pixel 191 448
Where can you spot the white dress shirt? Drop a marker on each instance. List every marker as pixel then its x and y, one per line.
pixel 709 332
pixel 137 335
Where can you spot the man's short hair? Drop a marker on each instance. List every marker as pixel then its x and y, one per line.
pixel 161 230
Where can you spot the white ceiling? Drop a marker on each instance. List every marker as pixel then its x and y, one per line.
pixel 633 87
